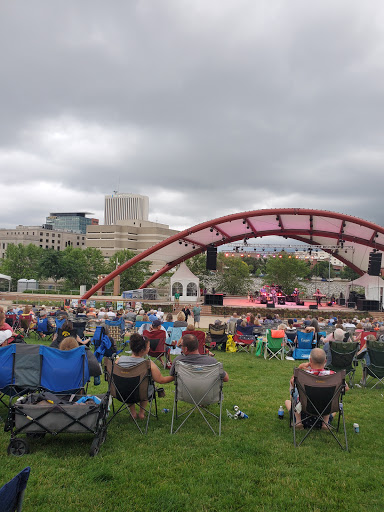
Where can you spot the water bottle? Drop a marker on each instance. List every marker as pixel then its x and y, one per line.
pixel 281 412
pixel 164 410
pixel 96 380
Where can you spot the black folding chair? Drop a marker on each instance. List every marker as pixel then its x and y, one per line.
pixel 343 357
pixel 319 396
pixel 374 369
pixel 131 385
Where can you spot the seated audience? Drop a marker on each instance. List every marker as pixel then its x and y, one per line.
pixel 140 348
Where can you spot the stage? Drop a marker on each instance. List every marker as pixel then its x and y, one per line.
pixel 244 302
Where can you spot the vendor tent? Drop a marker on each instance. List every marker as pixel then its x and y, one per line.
pixel 373 285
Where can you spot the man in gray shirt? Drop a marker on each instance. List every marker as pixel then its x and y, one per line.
pixel 191 355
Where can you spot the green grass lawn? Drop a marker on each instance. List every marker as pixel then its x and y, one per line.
pixel 252 466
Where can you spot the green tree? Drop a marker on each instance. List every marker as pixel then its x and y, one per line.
pixel 285 270
pixel 21 262
pixel 51 265
pixel 257 266
pixel 82 266
pixel 233 275
pixel 348 273
pixel 321 269
pixel 133 277
pixel 197 265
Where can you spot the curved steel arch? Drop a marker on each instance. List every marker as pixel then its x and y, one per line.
pixel 315 227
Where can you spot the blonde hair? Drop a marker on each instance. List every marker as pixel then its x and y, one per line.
pixel 190 327
pixel 181 317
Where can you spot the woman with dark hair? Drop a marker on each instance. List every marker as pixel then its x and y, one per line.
pixel 140 348
pixel 66 330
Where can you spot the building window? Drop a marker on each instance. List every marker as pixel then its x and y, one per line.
pixel 41 234
pixel 177 288
pixel 41 239
pixel 46 247
pixel 58 236
pixel 53 235
pixel 191 290
pixel 41 246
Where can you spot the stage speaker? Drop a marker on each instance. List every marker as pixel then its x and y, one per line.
pixel 270 304
pixel 300 303
pixel 211 257
pixel 374 266
pixel 313 306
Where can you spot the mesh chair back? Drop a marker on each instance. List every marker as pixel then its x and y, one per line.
pixel 131 384
pixel 174 334
pixel 342 354
pixel 376 354
pixel 319 394
pixel 203 383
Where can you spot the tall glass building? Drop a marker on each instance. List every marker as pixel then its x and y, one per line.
pixel 76 222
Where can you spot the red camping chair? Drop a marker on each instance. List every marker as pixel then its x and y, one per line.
pixel 200 335
pixel 243 342
pixel 157 345
pixel 363 337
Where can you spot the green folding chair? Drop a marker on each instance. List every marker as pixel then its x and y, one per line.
pixel 274 346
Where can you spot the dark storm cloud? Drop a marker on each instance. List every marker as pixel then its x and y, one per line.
pixel 207 107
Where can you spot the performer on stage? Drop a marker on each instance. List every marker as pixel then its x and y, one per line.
pixel 296 294
pixel 273 294
pixel 318 297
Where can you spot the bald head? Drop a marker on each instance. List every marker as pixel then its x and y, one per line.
pixel 317 357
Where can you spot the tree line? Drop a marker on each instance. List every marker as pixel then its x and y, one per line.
pixel 71 267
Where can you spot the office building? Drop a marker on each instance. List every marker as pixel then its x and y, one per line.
pixel 44 237
pixel 125 207
pixel 135 235
pixel 76 222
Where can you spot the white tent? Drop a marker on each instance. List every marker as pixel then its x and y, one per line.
pixel 8 278
pixel 373 285
pixel 186 283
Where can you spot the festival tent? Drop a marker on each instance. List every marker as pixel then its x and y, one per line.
pixel 373 285
pixel 186 283
pixel 8 278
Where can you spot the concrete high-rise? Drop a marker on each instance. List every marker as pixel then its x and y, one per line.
pixel 125 206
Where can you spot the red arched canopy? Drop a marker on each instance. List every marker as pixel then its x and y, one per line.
pixel 315 227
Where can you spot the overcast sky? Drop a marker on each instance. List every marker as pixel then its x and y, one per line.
pixel 209 107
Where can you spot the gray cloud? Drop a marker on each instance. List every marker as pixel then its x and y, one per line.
pixel 207 107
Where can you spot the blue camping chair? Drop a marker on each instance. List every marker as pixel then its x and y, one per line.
pixel 304 345
pixel 173 334
pixel 12 493
pixel 167 325
pixel 59 323
pixel 245 331
pixel 43 329
pixel 102 343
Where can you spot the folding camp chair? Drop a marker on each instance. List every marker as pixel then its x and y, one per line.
pixel 173 336
pixel 304 345
pixel 131 385
pixel 232 327
pixel 343 358
pixel 12 493
pixel 200 335
pixel 363 337
pixel 218 336
pixel 244 342
pixel 102 343
pixel 319 396
pixel 199 386
pixel 157 346
pixel 375 368
pixel 59 322
pixel 25 322
pixel 44 329
pixel 117 331
pixel 274 346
